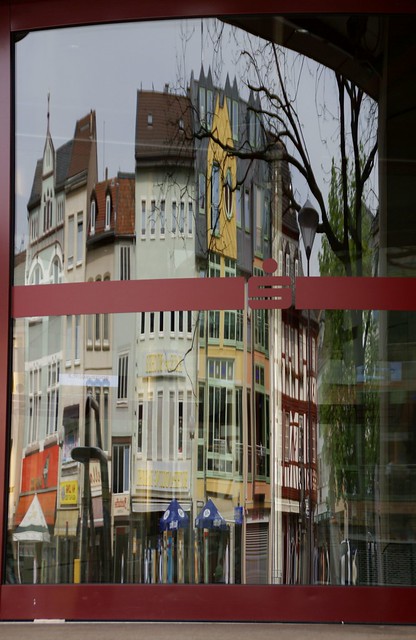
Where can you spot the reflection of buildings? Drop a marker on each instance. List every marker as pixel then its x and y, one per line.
pixel 166 354
pixel 109 343
pixel 245 387
pixel 298 453
pixel 56 253
pixel 191 404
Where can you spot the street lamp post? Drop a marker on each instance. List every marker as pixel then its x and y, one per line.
pixel 308 221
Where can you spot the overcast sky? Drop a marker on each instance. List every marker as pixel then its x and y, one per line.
pixel 101 68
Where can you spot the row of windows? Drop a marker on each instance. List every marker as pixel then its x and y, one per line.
pixel 35 400
pixel 98 327
pixel 261 324
pixel 224 414
pixel 243 206
pixel 284 265
pixel 174 322
pixel 206 104
pixel 157 218
pixel 47 215
pixel 98 331
pixel 294 347
pixel 172 408
pixel 296 439
pixel 55 268
pixel 75 246
pixel 73 340
pixel 55 273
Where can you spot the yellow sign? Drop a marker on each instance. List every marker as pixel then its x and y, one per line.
pixel 163 479
pixel 163 363
pixel 69 492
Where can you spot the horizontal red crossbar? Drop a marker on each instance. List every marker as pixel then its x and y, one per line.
pixel 388 294
pixel 207 293
pixel 128 296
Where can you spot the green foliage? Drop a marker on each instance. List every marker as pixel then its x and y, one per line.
pixel 349 403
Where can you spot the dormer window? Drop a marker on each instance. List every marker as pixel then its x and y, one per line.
pixel 107 212
pixel 92 217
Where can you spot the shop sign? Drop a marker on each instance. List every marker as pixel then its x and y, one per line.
pixel 87 380
pixel 40 470
pixel 95 478
pixel 163 476
pixel 121 504
pixel 68 491
pixel 164 364
pixel 238 515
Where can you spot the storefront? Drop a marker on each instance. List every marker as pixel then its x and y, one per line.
pixel 208 323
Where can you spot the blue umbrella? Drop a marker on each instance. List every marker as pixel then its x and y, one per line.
pixel 210 518
pixel 174 517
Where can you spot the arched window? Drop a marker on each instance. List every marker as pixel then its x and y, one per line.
pixel 55 271
pixel 93 215
pixel 287 261
pixel 36 277
pixel 215 199
pixel 228 195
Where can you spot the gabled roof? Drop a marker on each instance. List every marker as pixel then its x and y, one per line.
pixel 163 128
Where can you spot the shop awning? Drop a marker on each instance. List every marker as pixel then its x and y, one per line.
pixel 33 527
pixel 66 522
pixel 47 500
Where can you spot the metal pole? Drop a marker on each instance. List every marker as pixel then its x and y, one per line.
pixel 310 446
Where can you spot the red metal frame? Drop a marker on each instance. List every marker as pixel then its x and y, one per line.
pixel 160 602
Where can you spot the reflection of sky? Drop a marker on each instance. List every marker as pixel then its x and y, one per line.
pixel 102 67
pixel 87 68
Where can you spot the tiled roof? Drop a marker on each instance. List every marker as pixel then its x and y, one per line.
pixel 84 137
pixel 63 158
pixel 163 127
